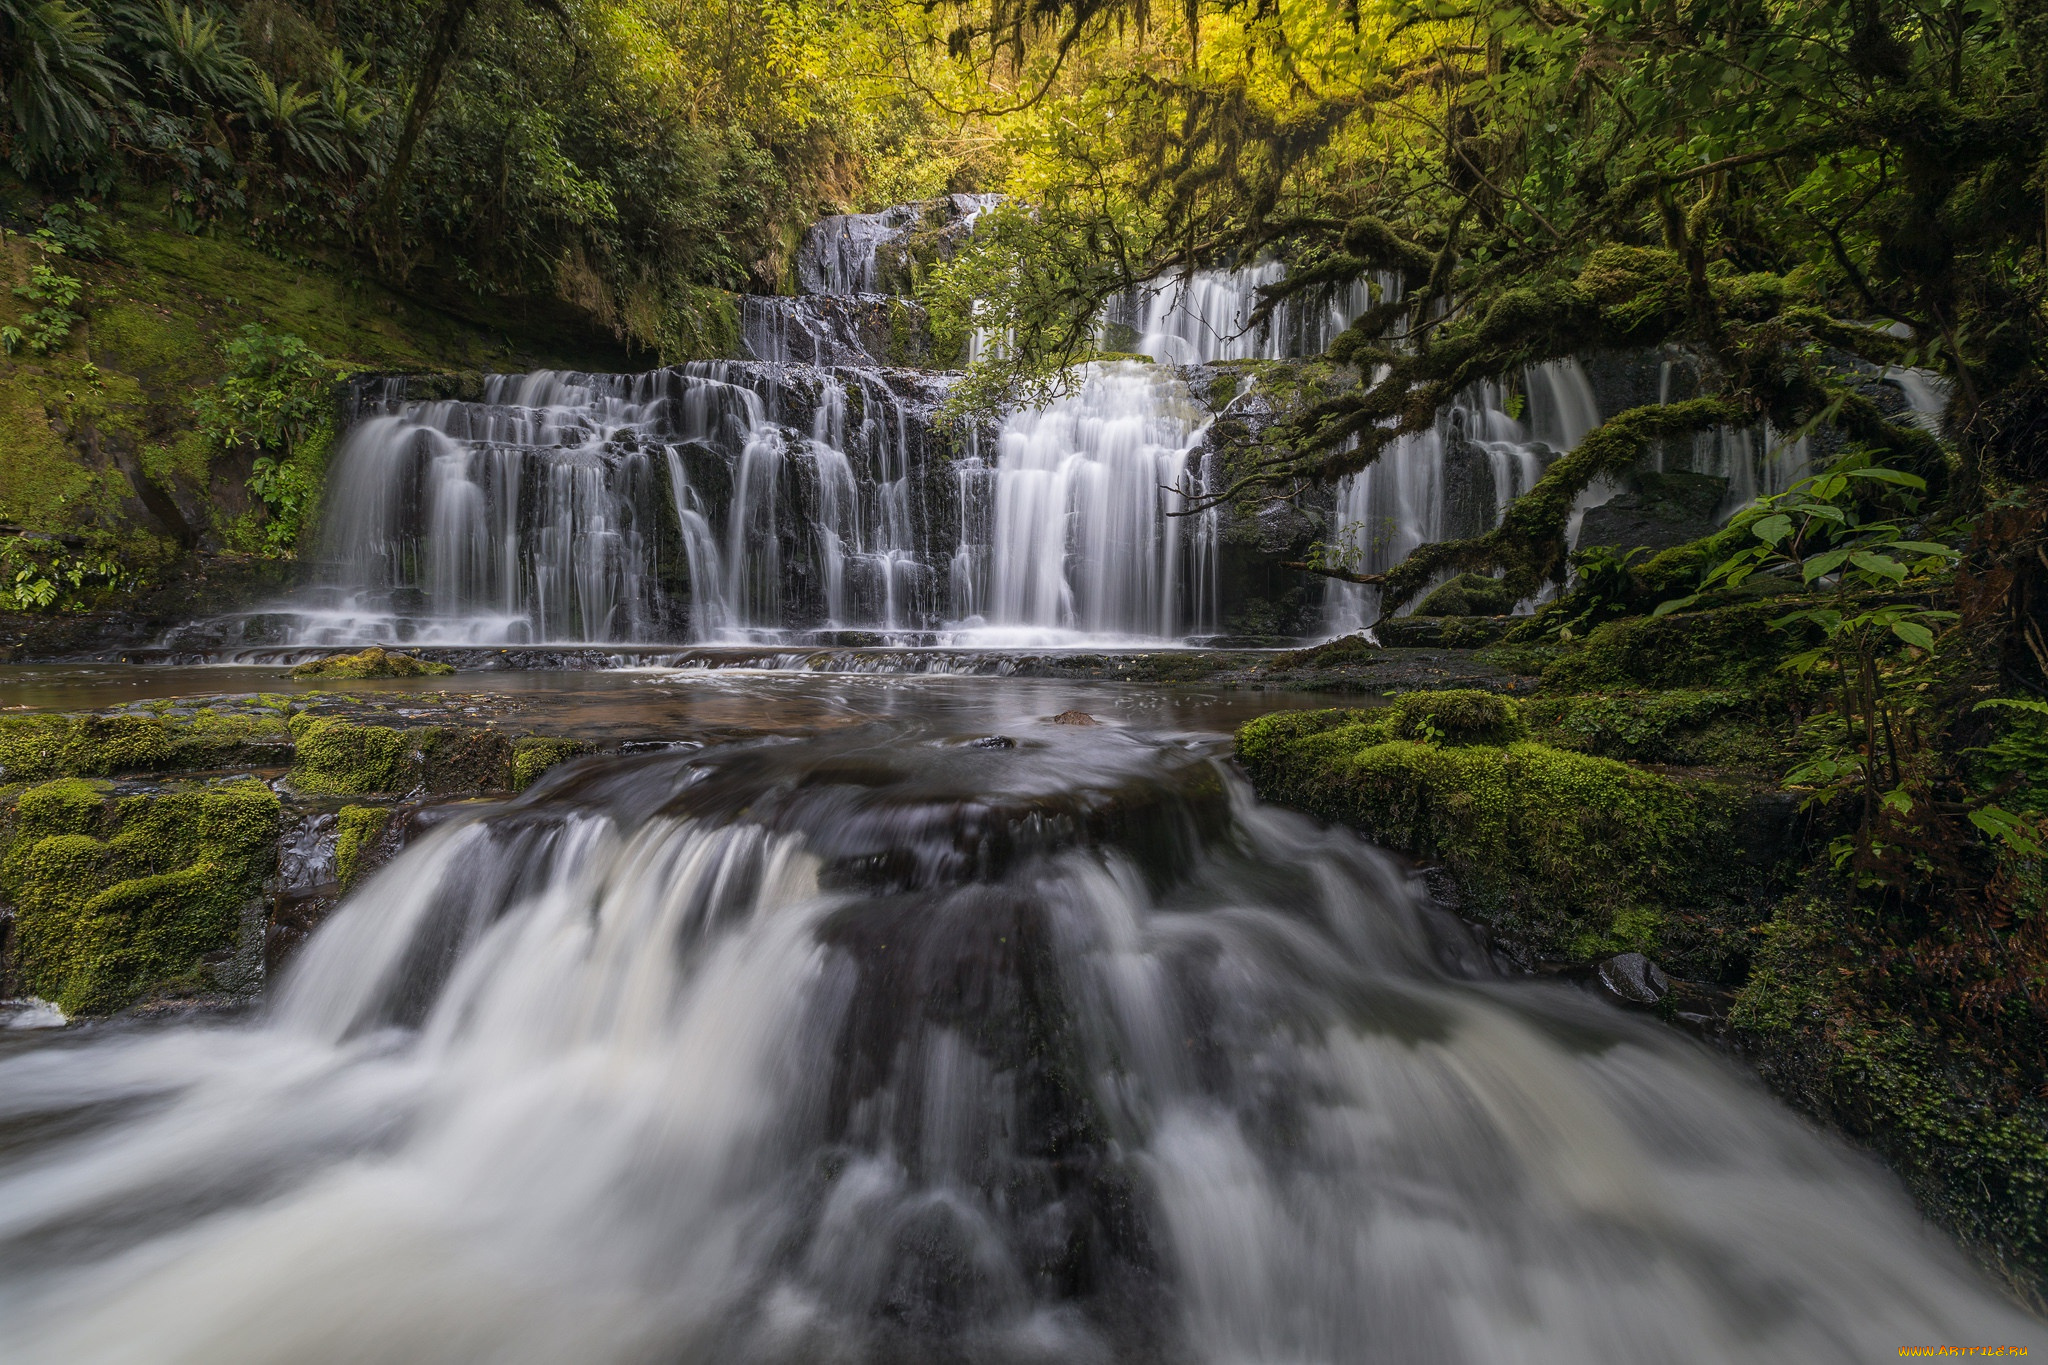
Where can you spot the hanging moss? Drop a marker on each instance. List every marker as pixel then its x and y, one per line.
pixel 118 897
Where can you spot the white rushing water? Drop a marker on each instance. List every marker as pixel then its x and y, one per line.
pixel 1457 478
pixel 1205 316
pixel 858 1050
pixel 1084 539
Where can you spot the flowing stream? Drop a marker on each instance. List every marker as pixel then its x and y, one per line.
pixel 913 1027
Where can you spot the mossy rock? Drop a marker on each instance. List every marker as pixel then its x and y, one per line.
pixel 33 748
pixel 535 755
pixel 1971 1143
pixel 1442 632
pixel 356 830
pixel 1730 647
pixel 117 897
pixel 1469 594
pixel 1460 716
pixel 1688 727
pixel 1571 855
pixel 340 757
pixel 373 662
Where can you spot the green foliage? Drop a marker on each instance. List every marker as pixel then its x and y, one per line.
pixel 1013 301
pixel 39 574
pixel 115 897
pixel 276 399
pixel 45 329
pixel 73 229
pixel 59 84
pixel 1823 530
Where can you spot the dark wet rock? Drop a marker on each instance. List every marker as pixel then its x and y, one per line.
pixel 1656 512
pixel 1633 978
pixel 992 742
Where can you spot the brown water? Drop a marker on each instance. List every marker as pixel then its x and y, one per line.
pixel 658 704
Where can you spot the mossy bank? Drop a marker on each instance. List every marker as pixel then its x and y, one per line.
pixel 177 851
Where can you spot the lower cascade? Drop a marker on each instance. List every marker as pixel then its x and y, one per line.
pixel 906 1044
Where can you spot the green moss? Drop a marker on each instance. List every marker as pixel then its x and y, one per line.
pixel 67 806
pixel 33 748
pixel 1569 853
pixel 536 754
pixel 1689 727
pixel 1469 594
pixel 357 829
pixel 1461 716
pixel 371 663
pixel 1731 647
pixel 101 921
pixel 340 757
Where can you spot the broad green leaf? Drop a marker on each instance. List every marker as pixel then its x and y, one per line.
pixel 1824 564
pixel 1878 564
pixel 1773 529
pixel 1914 634
pixel 1897 476
pixel 1675 604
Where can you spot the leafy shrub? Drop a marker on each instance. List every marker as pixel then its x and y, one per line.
pixel 277 400
pixel 45 329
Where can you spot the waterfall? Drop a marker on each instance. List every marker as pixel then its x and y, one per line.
pixel 884 1047
pixel 526 517
pixel 1084 538
pixel 1204 316
pixel 712 501
pixel 1456 479
pixel 805 493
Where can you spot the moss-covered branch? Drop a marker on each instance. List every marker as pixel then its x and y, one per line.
pixel 1529 545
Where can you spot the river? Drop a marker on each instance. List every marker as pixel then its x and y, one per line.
pixel 881 1018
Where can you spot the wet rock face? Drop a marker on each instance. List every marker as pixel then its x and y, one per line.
pixel 1471 497
pixel 1634 979
pixel 1656 511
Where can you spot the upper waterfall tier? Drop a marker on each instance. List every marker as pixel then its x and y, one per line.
pixel 807 492
pixel 1206 316
pixel 738 501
